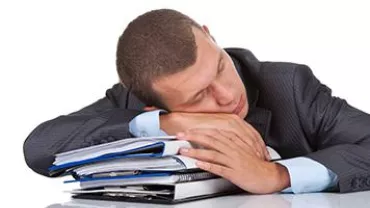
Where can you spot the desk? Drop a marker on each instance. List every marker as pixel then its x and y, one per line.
pixel 314 200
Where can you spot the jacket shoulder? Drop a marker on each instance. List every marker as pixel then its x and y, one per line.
pixel 279 67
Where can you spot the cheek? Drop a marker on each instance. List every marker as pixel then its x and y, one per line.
pixel 231 78
pixel 206 105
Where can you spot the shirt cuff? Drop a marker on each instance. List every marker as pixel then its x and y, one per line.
pixel 307 175
pixel 146 124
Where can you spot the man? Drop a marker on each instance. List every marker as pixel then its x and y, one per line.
pixel 175 79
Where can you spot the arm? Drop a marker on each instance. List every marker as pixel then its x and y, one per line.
pixel 147 124
pixel 306 175
pixel 339 133
pixel 103 121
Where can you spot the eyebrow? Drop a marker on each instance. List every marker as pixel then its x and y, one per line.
pixel 218 70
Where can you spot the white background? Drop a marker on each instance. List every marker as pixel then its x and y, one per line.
pixel 58 56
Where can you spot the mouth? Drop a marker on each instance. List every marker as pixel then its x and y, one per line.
pixel 239 107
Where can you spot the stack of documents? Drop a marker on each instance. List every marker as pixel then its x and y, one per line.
pixel 145 169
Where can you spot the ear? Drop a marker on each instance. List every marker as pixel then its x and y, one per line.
pixel 206 30
pixel 150 108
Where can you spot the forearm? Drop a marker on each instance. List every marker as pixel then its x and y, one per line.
pixel 339 133
pixel 350 162
pixel 307 176
pixel 70 132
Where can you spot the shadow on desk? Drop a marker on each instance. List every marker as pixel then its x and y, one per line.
pixel 321 200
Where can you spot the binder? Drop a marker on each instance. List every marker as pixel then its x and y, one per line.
pixel 146 169
pixel 154 178
pixel 176 193
pixel 126 148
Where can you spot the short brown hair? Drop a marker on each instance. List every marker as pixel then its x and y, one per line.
pixel 157 43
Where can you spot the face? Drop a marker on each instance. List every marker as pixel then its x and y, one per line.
pixel 211 85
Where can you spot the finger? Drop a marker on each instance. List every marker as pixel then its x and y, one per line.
pixel 245 131
pixel 258 141
pixel 219 170
pixel 206 155
pixel 229 139
pixel 267 154
pixel 219 135
pixel 241 147
pixel 208 138
pixel 249 137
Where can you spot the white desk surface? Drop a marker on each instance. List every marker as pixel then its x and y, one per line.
pixel 315 200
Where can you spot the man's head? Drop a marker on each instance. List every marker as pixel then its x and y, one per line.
pixel 169 61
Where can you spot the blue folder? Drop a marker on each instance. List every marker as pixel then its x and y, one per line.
pixel 142 175
pixel 137 152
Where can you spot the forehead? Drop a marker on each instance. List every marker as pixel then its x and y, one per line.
pixel 179 86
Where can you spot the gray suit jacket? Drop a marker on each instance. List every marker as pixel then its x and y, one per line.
pixel 290 108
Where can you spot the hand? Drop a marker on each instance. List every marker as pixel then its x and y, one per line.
pixel 228 156
pixel 173 123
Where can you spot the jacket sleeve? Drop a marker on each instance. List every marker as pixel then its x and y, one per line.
pixel 100 122
pixel 338 132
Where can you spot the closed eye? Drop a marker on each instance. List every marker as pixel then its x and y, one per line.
pixel 200 96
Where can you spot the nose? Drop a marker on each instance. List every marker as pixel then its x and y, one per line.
pixel 222 94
